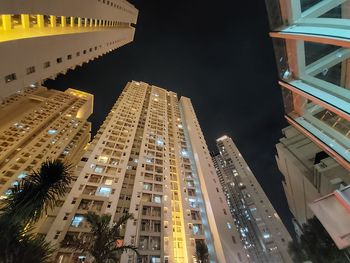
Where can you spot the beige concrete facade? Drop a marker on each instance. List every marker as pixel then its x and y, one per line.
pixel 40 39
pixel 146 160
pixel 39 124
pixel 306 177
pixel 262 232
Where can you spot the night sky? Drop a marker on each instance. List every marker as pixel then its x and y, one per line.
pixel 219 54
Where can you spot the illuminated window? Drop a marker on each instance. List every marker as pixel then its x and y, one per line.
pixel 51 132
pixel 157 199
pixel 98 169
pixel 266 236
pixel 147 186
pixel 22 175
pixel 159 142
pixel 184 153
pixel 104 191
pixel 102 159
pixel 196 229
pixel 108 182
pixel 77 219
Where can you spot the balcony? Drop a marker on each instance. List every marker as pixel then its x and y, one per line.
pixel 333 211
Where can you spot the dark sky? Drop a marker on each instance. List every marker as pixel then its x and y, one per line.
pixel 219 54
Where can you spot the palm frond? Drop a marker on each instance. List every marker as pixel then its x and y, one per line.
pixel 20 244
pixel 38 192
pixel 102 245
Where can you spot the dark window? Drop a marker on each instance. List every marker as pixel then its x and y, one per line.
pixel 30 70
pixel 59 60
pixel 47 64
pixel 10 77
pixel 234 239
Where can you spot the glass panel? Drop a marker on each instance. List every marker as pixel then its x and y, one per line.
pixel 306 4
pixel 310 15
pixel 321 70
pixel 336 10
pixel 324 124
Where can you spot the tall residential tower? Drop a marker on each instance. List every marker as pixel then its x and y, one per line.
pixel 149 158
pixel 262 232
pixel 40 39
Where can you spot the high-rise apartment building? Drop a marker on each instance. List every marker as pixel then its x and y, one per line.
pixel 39 124
pixel 149 158
pixel 262 232
pixel 39 39
pixel 312 52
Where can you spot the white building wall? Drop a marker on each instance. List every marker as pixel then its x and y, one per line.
pixel 306 181
pixel 216 208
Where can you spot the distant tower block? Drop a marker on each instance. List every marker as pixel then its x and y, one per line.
pixel 262 232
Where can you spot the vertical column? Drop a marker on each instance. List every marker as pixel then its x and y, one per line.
pixel 40 21
pixel 63 21
pixel 6 22
pixel 25 21
pixel 53 21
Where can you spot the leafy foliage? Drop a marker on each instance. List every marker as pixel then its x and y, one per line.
pixel 18 244
pixel 102 244
pixel 37 192
pixel 28 201
pixel 202 251
pixel 315 245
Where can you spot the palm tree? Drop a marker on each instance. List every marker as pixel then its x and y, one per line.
pixel 37 192
pixel 103 245
pixel 202 251
pixel 315 245
pixel 21 245
pixel 27 202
